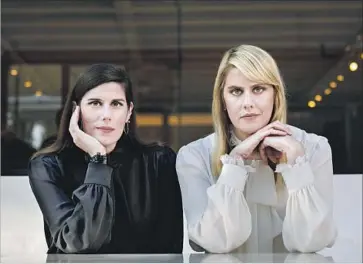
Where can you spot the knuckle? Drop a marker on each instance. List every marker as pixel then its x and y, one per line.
pixel 75 138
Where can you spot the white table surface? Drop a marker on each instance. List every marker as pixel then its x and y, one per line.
pixel 22 234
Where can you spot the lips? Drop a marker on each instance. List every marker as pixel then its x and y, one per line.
pixel 249 115
pixel 105 129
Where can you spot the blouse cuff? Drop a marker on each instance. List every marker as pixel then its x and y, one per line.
pixel 99 174
pixel 233 176
pixel 285 166
pixel 227 159
pixel 297 175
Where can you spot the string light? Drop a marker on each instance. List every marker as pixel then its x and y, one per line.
pixel 353 66
pixel 28 84
pixel 333 85
pixel 38 93
pixel 318 98
pixel 311 104
pixel 327 91
pixel 13 72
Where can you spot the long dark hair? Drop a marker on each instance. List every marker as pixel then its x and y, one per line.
pixel 92 77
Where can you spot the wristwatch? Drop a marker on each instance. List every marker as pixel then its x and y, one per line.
pixel 98 158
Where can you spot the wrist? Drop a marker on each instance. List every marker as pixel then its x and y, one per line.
pixel 98 158
pixel 294 153
pixel 97 151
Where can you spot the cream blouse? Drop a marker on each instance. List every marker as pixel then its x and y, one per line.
pixel 240 210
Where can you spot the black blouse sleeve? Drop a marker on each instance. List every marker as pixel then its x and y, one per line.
pixel 169 232
pixel 81 224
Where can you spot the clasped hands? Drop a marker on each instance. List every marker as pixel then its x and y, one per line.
pixel 272 142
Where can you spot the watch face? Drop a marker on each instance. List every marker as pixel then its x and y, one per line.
pixel 98 158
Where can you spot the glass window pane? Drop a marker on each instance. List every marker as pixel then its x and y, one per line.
pixel 33 101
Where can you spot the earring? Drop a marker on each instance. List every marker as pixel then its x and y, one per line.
pixel 127 128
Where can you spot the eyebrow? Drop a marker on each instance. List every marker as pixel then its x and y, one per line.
pixel 234 87
pixel 240 87
pixel 94 99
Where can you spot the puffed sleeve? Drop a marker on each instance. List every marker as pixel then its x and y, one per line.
pixel 81 224
pixel 217 214
pixel 309 225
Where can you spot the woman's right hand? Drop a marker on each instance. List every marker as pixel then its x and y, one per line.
pixel 81 139
pixel 248 148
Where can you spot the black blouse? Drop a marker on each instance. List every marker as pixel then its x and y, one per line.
pixel 131 205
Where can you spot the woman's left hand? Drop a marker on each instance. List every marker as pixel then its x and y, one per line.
pixel 273 148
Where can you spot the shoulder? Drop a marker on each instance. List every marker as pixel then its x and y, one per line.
pixel 159 152
pixel 202 146
pixel 310 141
pixel 45 165
pixel 305 137
pixel 198 151
pixel 45 159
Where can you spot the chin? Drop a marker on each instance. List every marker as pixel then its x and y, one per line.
pixel 107 141
pixel 249 128
pixel 247 131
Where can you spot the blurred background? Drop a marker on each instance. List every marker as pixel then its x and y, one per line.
pixel 172 50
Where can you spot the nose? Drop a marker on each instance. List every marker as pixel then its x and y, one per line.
pixel 106 113
pixel 247 101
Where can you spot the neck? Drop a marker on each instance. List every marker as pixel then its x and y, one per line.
pixel 239 134
pixel 110 148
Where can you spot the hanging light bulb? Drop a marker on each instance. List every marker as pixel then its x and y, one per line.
pixel 353 66
pixel 311 104
pixel 340 78
pixel 28 84
pixel 13 72
pixel 318 98
pixel 333 85
pixel 38 93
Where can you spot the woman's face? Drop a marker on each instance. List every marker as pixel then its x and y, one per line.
pixel 249 105
pixel 104 113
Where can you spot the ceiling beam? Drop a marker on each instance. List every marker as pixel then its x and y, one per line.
pixel 125 16
pixel 37 10
pixel 168 56
pixel 317 33
pixel 129 24
pixel 150 7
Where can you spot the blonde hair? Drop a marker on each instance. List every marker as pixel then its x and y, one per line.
pixel 258 66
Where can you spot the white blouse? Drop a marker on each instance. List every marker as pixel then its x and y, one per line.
pixel 241 211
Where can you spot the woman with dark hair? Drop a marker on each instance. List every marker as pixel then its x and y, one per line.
pixel 99 188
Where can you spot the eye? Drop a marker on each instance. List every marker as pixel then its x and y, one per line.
pixel 95 103
pixel 236 91
pixel 258 89
pixel 117 103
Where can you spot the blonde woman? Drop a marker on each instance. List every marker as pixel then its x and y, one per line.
pixel 256 184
